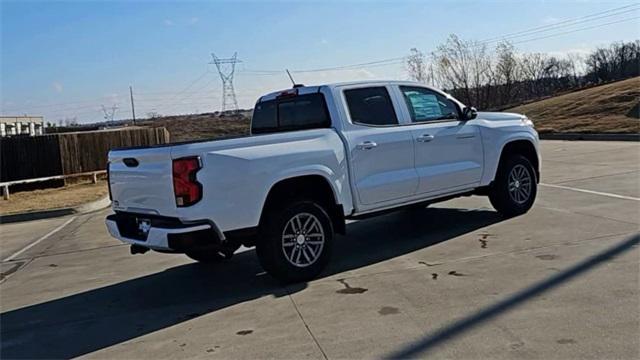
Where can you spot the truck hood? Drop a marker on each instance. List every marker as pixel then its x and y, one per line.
pixel 499 116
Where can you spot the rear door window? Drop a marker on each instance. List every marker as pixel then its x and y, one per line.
pixel 289 114
pixel 371 106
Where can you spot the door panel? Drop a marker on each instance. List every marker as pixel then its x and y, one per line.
pixel 381 150
pixel 383 163
pixel 447 155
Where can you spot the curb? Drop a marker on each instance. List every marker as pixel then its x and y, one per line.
pixel 595 137
pixel 47 214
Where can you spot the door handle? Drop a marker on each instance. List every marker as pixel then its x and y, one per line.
pixel 425 138
pixel 366 145
pixel 466 136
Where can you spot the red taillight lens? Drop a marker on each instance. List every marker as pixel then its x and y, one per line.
pixel 186 188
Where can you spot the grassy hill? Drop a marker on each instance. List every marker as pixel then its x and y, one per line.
pixel 610 108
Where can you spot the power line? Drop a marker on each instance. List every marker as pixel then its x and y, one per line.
pixel 171 106
pixel 576 30
pixel 552 28
pixel 195 81
pixel 340 67
pixel 481 44
pixel 513 34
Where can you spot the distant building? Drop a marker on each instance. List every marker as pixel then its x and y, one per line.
pixel 21 125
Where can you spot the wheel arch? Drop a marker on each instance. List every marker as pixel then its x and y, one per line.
pixel 312 186
pixel 524 147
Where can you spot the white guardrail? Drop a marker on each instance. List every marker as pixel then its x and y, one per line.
pixel 5 185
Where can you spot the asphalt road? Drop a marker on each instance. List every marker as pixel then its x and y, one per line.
pixel 450 281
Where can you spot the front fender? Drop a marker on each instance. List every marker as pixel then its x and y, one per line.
pixel 495 144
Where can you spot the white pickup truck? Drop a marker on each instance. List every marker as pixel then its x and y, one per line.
pixel 318 155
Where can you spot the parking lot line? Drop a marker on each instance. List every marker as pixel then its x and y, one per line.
pixel 616 196
pixel 44 237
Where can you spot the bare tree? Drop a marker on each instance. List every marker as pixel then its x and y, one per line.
pixel 416 66
pixel 452 63
pixel 507 71
pixel 618 61
pixel 533 67
pixel 464 67
pixel 153 114
pixel 504 77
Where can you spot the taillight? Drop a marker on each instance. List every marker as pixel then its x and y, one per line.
pixel 186 188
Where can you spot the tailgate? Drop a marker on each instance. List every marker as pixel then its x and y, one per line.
pixel 141 180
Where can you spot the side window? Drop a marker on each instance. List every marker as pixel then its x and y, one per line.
pixel 427 105
pixel 371 106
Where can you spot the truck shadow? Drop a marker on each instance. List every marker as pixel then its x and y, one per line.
pixel 82 323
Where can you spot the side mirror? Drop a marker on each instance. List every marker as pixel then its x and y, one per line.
pixel 469 113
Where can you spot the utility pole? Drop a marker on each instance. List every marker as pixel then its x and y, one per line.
pixel 229 101
pixel 133 108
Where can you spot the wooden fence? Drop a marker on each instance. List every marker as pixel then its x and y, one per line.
pixel 69 153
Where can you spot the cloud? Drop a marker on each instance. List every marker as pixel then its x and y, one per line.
pixel 550 19
pixel 57 87
pixel 324 42
pixel 168 22
pixel 365 73
pixel 193 20
pixel 581 49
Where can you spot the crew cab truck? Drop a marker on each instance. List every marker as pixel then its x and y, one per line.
pixel 316 156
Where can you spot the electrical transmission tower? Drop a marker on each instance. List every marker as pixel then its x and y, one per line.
pixel 226 69
pixel 109 113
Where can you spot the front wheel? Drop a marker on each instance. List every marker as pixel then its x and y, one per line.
pixel 515 187
pixel 296 241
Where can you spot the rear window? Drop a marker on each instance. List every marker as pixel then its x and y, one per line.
pixel 371 106
pixel 296 113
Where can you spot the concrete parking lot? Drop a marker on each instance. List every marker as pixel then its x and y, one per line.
pixel 451 281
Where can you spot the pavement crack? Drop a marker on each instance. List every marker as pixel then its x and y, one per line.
pixel 295 306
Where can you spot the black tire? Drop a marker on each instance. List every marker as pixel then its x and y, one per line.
pixel 279 241
pixel 207 256
pixel 517 201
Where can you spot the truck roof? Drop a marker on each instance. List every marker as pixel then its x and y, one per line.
pixel 315 88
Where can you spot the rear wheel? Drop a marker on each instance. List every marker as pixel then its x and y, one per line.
pixel 515 187
pixel 296 241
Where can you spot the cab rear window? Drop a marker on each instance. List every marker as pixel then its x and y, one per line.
pixel 289 114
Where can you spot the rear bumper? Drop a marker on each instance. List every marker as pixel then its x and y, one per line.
pixel 165 234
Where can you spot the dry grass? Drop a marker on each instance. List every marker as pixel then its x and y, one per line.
pixel 47 199
pixel 611 108
pixel 201 126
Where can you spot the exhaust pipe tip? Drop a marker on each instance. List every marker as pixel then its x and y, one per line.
pixel 137 249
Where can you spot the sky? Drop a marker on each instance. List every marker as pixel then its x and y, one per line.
pixel 66 60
